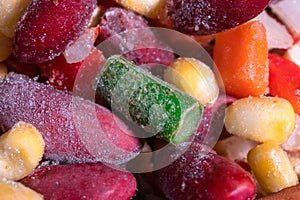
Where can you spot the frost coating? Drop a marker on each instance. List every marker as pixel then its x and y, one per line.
pixel 47 28
pixel 100 136
pixel 202 174
pixel 200 17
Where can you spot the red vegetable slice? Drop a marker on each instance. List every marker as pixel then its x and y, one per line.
pixel 285 80
pixel 62 75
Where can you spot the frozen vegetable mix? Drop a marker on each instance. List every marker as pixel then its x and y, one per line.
pixel 149 99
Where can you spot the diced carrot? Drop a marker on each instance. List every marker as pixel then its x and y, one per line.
pixel 241 56
pixel 285 80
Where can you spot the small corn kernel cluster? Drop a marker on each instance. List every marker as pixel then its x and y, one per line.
pixel 21 150
pixel 195 78
pixel 269 121
pixel 148 8
pixel 11 190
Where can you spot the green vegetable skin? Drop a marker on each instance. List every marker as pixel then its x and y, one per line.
pixel 148 101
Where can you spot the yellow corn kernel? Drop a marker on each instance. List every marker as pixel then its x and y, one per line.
pixel 271 167
pixel 261 119
pixel 3 71
pixel 195 78
pixel 148 8
pixel 10 190
pixel 21 149
pixel 11 12
pixel 5 47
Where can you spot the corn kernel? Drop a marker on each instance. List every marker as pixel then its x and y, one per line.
pixel 271 167
pixel 261 119
pixel 21 149
pixel 3 71
pixel 195 78
pixel 148 8
pixel 5 47
pixel 10 190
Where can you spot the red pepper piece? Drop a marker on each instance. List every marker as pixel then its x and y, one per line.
pixel 285 80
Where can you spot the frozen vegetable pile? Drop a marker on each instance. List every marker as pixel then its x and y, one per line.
pixel 111 99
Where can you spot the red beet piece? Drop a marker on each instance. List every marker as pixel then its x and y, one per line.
pixel 139 46
pixel 74 129
pixel 62 75
pixel 202 174
pixel 92 181
pixel 202 17
pixel 48 26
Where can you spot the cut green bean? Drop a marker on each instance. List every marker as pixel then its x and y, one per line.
pixel 147 101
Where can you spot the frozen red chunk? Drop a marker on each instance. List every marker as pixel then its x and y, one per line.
pixel 203 17
pixel 74 129
pixel 62 75
pixel 202 174
pixel 284 80
pixel 48 26
pixel 138 43
pixel 92 181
